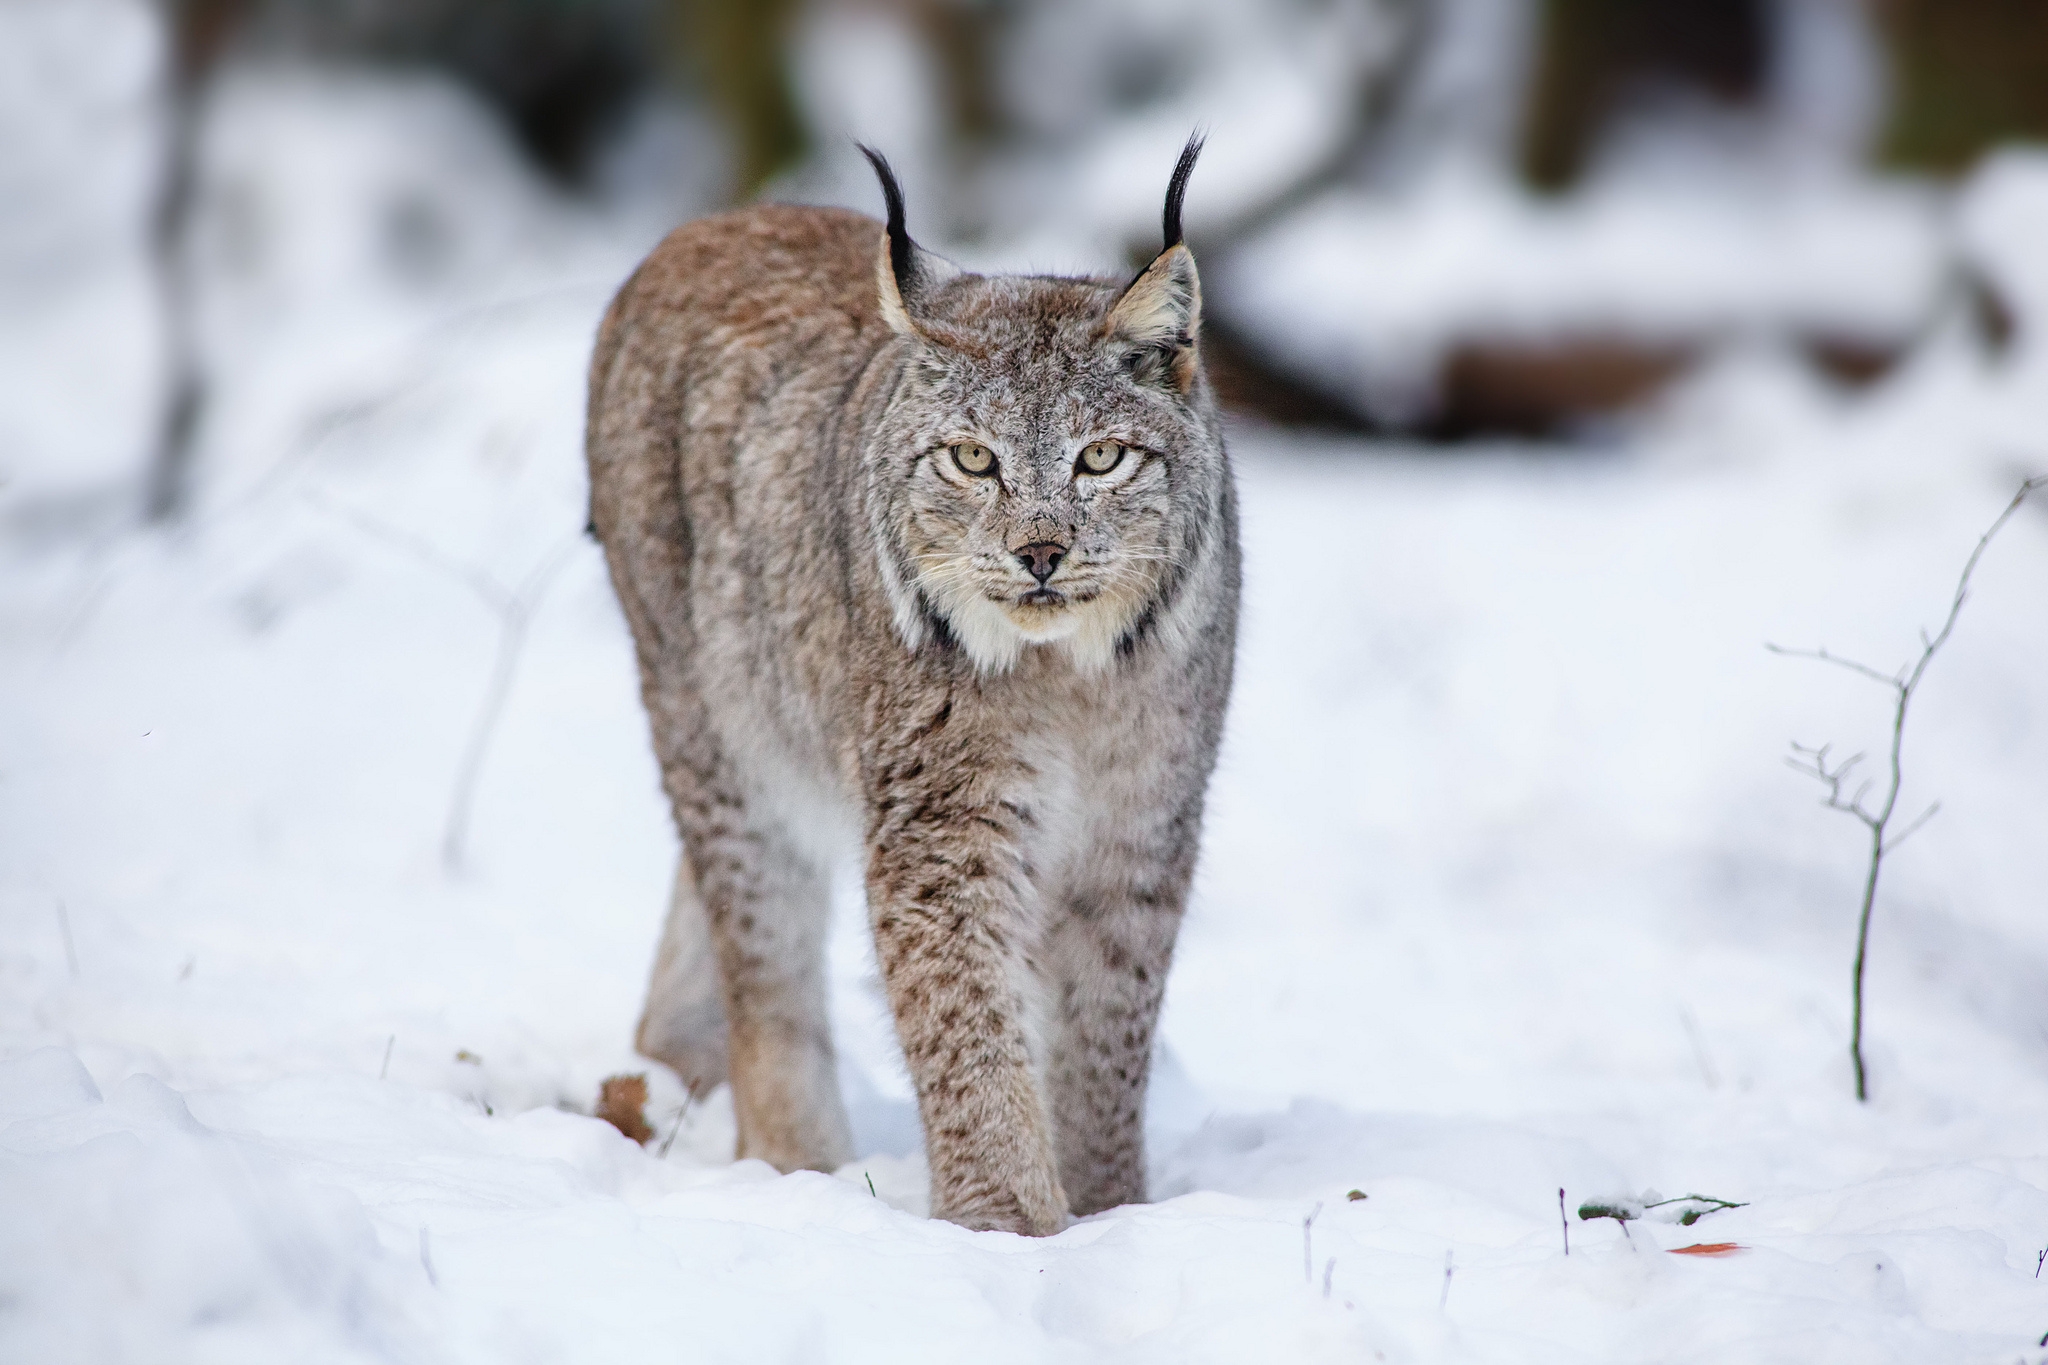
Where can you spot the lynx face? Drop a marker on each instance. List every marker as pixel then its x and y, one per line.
pixel 1047 459
pixel 1039 472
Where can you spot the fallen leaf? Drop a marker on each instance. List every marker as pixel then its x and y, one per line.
pixel 1709 1249
pixel 622 1102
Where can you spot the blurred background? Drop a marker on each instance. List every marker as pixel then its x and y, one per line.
pixel 1444 218
pixel 1573 350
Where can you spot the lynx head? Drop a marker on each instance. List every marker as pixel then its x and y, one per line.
pixel 1049 468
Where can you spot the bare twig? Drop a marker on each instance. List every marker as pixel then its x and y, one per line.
pixel 1888 679
pixel 514 608
pixel 1443 1300
pixel 1329 1269
pixel 513 618
pixel 1815 763
pixel 390 1043
pixel 70 948
pixel 1308 1260
pixel 689 1097
pixel 1566 1222
pixel 1378 93
pixel 1708 1072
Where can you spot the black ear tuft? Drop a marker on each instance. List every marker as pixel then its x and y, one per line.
pixel 901 252
pixel 1176 188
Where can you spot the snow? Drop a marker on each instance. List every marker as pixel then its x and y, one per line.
pixel 1505 887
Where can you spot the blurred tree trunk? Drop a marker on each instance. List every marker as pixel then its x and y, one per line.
pixel 1965 74
pixel 962 39
pixel 737 50
pixel 199 32
pixel 1592 56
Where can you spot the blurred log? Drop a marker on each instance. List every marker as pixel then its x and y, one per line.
pixel 1855 362
pixel 1486 387
pixel 1491 387
pixel 1545 388
pixel 1252 384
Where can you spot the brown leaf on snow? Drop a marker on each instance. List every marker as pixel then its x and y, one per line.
pixel 622 1102
pixel 1709 1249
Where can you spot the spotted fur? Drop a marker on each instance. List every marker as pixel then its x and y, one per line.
pixel 843 645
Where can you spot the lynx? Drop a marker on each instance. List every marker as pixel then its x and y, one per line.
pixel 940 569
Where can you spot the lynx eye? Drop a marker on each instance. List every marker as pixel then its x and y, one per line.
pixel 1099 457
pixel 974 458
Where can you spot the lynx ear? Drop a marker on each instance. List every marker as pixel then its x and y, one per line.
pixel 1159 315
pixel 1156 319
pixel 905 273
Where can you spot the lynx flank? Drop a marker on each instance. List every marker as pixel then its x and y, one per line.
pixel 941 568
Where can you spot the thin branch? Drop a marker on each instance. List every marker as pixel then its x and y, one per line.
pixel 1377 95
pixel 2033 485
pixel 514 608
pixel 514 617
pixel 70 948
pixel 1911 829
pixel 476 580
pixel 1813 762
pixel 1888 679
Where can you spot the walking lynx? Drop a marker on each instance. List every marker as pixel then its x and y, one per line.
pixel 942 568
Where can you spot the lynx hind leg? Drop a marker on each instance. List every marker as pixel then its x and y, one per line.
pixel 683 1025
pixel 768 908
pixel 1107 970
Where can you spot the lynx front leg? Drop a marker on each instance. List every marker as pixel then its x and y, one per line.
pixel 952 934
pixel 1107 956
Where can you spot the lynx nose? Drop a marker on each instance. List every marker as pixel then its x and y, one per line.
pixel 1042 558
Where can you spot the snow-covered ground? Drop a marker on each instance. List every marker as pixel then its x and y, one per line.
pixel 1506 888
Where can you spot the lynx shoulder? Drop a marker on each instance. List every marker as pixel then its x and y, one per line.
pixel 937 572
